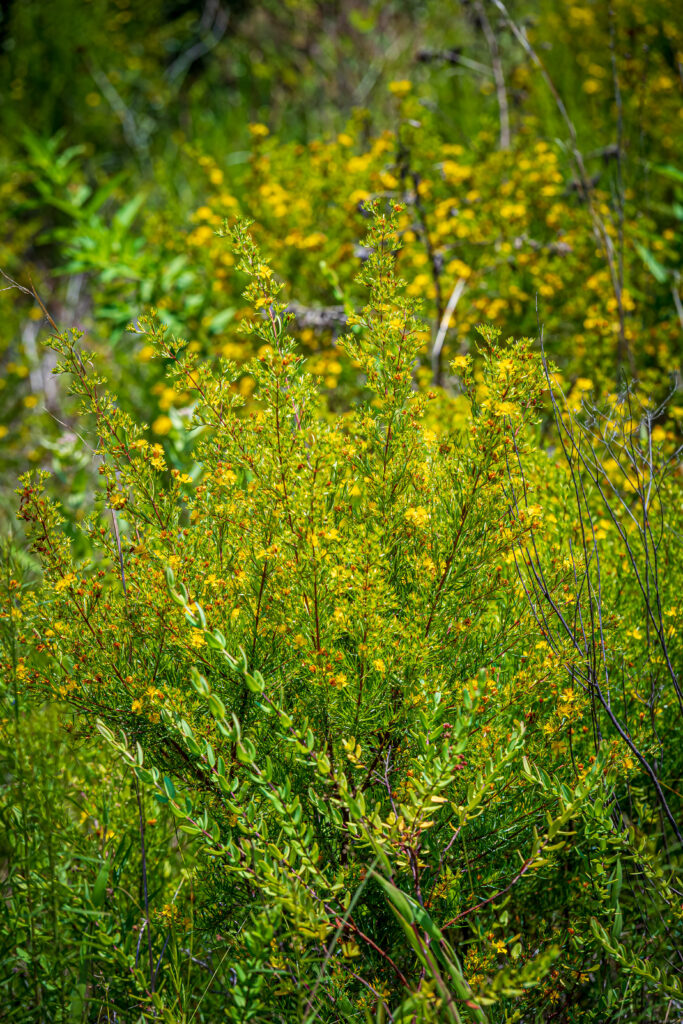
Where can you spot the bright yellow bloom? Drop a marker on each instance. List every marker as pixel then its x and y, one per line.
pixel 65 582
pixel 400 88
pixel 197 638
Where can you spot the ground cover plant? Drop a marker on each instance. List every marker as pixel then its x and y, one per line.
pixel 341 552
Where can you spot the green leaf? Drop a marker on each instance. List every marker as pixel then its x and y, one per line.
pixel 657 269
pixel 100 886
pixel 216 706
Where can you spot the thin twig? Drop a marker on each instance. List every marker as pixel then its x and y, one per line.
pixel 458 289
pixel 498 76
pixel 145 893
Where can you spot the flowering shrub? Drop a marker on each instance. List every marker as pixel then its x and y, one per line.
pixel 329 647
pixel 343 680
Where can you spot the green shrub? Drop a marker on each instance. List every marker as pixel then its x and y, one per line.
pixel 76 906
pixel 315 647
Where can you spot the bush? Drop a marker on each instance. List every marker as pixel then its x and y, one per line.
pixel 316 648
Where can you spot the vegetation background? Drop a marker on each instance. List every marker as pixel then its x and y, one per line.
pixel 340 640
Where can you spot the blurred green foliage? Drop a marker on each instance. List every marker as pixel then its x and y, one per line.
pixel 127 140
